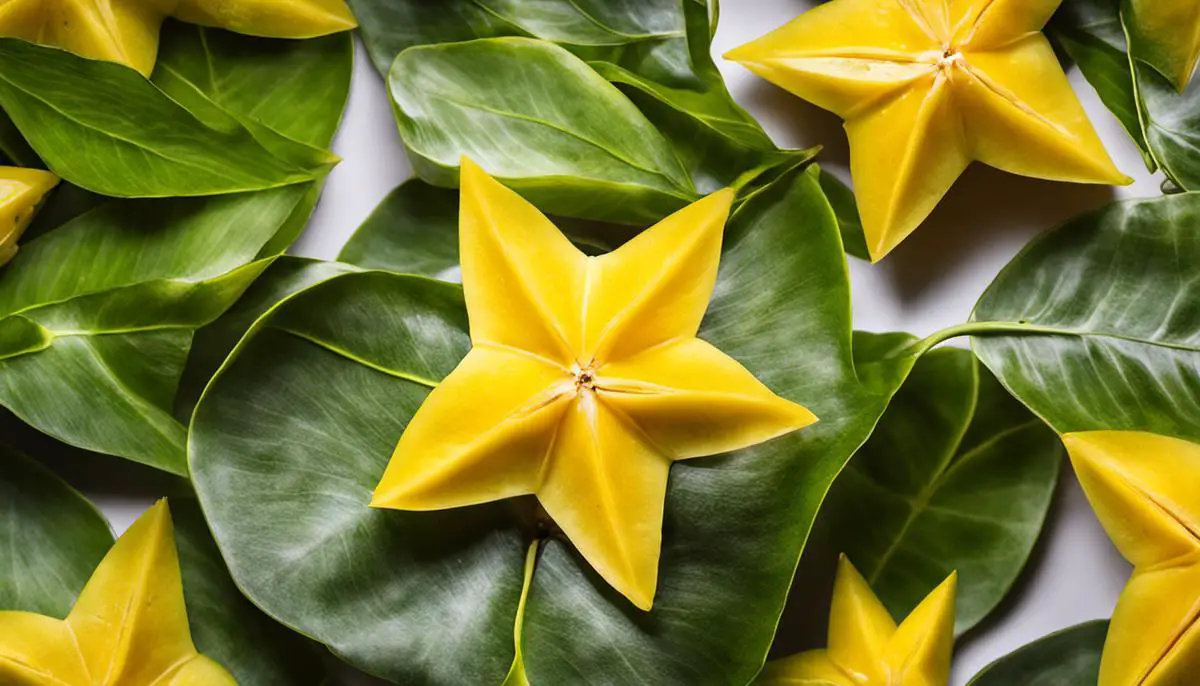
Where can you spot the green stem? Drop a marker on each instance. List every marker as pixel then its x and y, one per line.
pixel 980 329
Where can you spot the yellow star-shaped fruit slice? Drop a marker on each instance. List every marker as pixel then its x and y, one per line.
pixel 126 31
pixel 928 86
pixel 866 648
pixel 1145 489
pixel 128 628
pixel 584 382
pixel 1170 36
pixel 21 193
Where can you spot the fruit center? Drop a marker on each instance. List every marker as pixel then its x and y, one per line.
pixel 585 377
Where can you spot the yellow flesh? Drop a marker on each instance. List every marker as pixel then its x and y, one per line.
pixel 584 382
pixel 928 86
pixel 128 628
pixel 866 648
pixel 1145 489
pixel 21 193
pixel 126 31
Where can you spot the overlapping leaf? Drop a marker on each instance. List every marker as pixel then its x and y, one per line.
pixel 54 539
pixel 1096 325
pixel 105 128
pixel 98 315
pixel 339 368
pixel 1068 658
pixel 958 476
pixel 1164 122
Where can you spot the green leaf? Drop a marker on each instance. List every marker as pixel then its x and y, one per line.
pixel 597 155
pixel 225 626
pixel 213 342
pixel 413 231
pixel 957 476
pixel 13 148
pixel 1070 657
pixel 116 295
pixel 845 206
pixel 103 127
pixel 52 538
pixel 295 88
pixel 311 403
pixel 1172 122
pixel 1096 324
pixel 1090 32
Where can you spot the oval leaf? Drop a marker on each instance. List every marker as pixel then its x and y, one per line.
pixel 103 127
pixel 1096 324
pixel 598 157
pixel 958 476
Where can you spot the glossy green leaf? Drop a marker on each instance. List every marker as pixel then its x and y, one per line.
pixel 1070 657
pixel 116 294
pixel 597 155
pixel 413 231
pixel 1096 325
pixel 295 88
pixel 1172 121
pixel 310 405
pixel 105 128
pixel 1090 32
pixel 226 626
pixel 958 476
pixel 213 342
pixel 51 536
pixel 845 207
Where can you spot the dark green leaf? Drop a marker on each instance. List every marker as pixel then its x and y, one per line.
pixel 103 127
pixel 1172 125
pixel 116 295
pixel 13 148
pixel 1091 33
pixel 225 626
pixel 213 343
pixel 51 536
pixel 497 100
pixel 413 231
pixel 1068 658
pixel 414 597
pixel 957 476
pixel 845 207
pixel 1096 325
pixel 310 405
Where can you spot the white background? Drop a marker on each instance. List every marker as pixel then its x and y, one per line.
pixel 930 282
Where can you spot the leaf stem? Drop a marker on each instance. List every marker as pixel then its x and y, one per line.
pixel 980 329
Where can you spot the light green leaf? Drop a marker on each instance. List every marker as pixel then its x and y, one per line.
pixel 52 538
pixel 1096 325
pixel 116 295
pixel 103 127
pixel 957 476
pixel 310 405
pixel 539 119
pixel 1070 657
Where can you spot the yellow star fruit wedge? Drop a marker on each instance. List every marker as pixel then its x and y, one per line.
pixel 1167 34
pixel 584 382
pixel 128 628
pixel 21 194
pixel 928 86
pixel 1145 489
pixel 866 648
pixel 126 31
